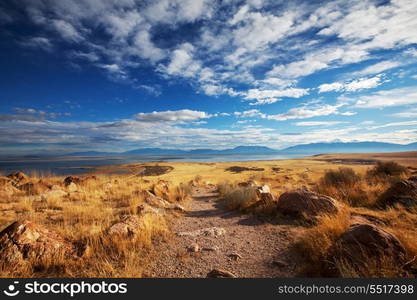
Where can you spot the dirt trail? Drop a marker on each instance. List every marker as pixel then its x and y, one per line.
pixel 258 243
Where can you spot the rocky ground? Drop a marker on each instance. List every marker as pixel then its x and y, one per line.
pixel 208 237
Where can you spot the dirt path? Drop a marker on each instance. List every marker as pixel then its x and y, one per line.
pixel 258 243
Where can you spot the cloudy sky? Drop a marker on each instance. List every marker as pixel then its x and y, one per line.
pixel 114 75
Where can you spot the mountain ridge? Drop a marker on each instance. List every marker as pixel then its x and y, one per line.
pixel 311 148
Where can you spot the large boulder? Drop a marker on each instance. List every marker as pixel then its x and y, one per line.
pixel 72 179
pixel 403 192
pixel 18 178
pixel 364 240
pixel 127 227
pixel 7 191
pixel 26 240
pixel 306 203
pixel 5 180
pixel 158 202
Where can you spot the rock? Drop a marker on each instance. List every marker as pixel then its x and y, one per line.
pixel 263 189
pixel 235 256
pixel 72 187
pixel 264 194
pixel 144 209
pixel 5 180
pixel 128 227
pixel 279 263
pixel 72 179
pixel 178 207
pixel 219 273
pixel 161 189
pixel 7 191
pixel 306 203
pixel 210 249
pixel 156 201
pixel 364 240
pixel 17 178
pixel 403 192
pixel 211 231
pixel 249 183
pixel 24 239
pixel 193 248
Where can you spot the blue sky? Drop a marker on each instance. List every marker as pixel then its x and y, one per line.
pixel 113 75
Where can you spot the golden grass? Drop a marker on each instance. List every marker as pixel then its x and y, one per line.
pixel 82 216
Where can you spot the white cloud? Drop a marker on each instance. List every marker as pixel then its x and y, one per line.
pixel 38 42
pixel 378 68
pixel 177 116
pixel 306 112
pixel 264 101
pixel 352 86
pixel 256 94
pixel 248 113
pixel 319 123
pixel 411 113
pixel 387 98
pixel 67 31
pixel 396 124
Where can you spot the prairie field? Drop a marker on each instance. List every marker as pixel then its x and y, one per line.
pixel 239 219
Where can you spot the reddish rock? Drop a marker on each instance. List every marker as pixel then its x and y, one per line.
pixel 403 192
pixel 24 239
pixel 364 240
pixel 306 203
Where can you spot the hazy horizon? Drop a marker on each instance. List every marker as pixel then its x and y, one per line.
pixel 112 76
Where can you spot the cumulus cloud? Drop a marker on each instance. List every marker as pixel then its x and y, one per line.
pixel 235 40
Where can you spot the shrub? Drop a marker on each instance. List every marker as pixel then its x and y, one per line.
pixel 240 198
pixel 343 177
pixel 344 184
pixel 387 169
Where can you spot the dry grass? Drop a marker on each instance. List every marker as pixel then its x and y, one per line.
pixel 82 216
pixel 85 214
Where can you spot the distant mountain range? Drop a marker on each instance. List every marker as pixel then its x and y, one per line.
pixel 310 149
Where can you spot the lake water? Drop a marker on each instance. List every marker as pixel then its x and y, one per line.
pixel 77 165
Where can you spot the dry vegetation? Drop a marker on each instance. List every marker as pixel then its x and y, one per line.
pixel 84 214
pixel 358 195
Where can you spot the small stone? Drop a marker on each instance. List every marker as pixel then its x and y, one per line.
pixel 279 263
pixel 235 256
pixel 193 248
pixel 211 249
pixel 219 273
